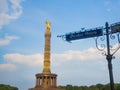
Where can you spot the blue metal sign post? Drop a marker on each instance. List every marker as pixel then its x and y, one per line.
pixel 109 30
pixel 109 58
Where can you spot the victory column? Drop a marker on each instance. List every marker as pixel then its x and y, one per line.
pixel 46 80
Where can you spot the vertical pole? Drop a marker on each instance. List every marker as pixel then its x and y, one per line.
pixel 109 58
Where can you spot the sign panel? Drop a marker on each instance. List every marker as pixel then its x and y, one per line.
pixel 86 34
pixel 115 27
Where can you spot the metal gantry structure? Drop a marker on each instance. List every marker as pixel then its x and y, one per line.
pixel 100 33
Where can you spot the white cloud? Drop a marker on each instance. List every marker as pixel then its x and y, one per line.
pixel 85 55
pixel 9 10
pixel 89 54
pixel 7 67
pixel 7 40
pixel 31 60
pixel 57 59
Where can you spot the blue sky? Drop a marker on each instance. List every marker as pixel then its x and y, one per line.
pixel 22 28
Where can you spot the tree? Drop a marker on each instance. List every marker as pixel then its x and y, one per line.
pixel 75 88
pixel 92 87
pixel 100 86
pixel 7 87
pixel 69 87
pixel 117 86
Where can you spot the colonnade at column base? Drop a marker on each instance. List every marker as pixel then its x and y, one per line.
pixel 46 81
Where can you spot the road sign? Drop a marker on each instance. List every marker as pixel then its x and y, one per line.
pixel 115 27
pixel 86 34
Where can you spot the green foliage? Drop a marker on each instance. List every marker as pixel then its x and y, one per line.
pixel 117 86
pixel 92 87
pixel 7 87
pixel 69 87
pixel 62 87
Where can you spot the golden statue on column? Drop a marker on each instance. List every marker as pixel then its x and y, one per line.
pixel 47 25
pixel 46 80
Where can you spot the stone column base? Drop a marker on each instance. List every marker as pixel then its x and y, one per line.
pixel 40 88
